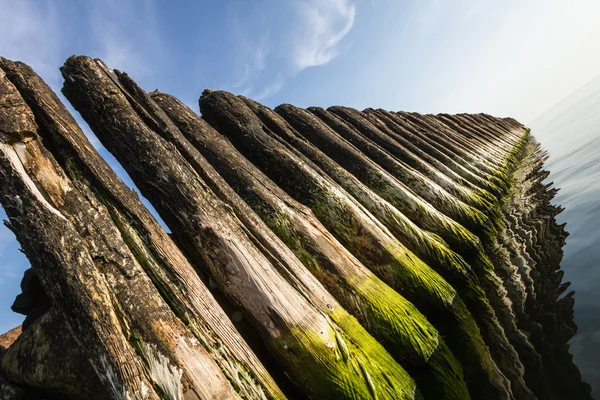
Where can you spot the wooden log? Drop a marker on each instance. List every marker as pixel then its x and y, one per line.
pixel 375 142
pixel 437 131
pixel 494 148
pixel 454 172
pixel 60 256
pixel 407 189
pixel 533 243
pixel 352 224
pixel 11 391
pixel 507 310
pixel 400 134
pixel 326 352
pixel 94 248
pixel 514 267
pixel 464 279
pixel 426 245
pixel 430 131
pixel 170 272
pixel 460 240
pixel 413 342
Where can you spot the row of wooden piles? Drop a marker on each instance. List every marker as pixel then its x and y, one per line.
pixel 330 254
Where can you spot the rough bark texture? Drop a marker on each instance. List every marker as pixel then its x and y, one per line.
pixel 306 330
pixel 450 265
pixel 57 252
pixel 414 342
pixel 173 276
pixel 141 257
pixel 362 255
pixel 356 228
pixel 502 350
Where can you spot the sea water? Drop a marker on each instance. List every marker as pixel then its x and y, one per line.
pixel 570 132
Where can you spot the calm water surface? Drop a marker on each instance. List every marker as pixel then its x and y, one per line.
pixel 571 133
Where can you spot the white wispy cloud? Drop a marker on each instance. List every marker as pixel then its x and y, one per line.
pixel 268 91
pixel 322 25
pixel 309 34
pixel 30 32
pixel 126 35
pixel 255 55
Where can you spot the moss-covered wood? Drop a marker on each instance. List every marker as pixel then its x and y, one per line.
pixel 365 236
pixel 400 156
pixel 474 283
pixel 173 276
pixel 437 131
pixel 401 133
pixel 81 262
pixel 407 189
pixel 334 239
pixel 396 323
pixel 312 337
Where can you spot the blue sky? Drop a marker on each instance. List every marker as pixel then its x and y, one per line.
pixel 508 58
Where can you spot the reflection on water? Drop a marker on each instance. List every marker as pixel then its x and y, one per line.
pixel 571 133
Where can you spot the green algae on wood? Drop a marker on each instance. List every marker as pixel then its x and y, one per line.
pixel 282 304
pixel 460 164
pixel 450 196
pixel 355 227
pixel 451 266
pixel 172 275
pixel 392 320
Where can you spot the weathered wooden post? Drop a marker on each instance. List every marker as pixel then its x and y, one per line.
pixel 322 348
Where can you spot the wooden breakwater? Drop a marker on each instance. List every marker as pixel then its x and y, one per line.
pixel 313 253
